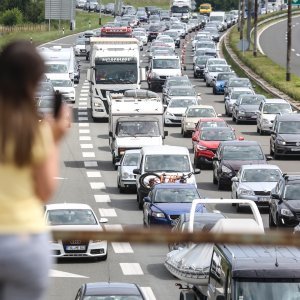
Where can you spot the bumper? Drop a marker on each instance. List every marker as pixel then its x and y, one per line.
pixel 80 52
pixel 219 89
pixel 92 250
pixel 259 200
pixel 287 150
pixel 173 120
pixel 247 117
pixel 288 221
pixel 266 126
pixel 205 157
pixel 153 221
pixel 69 98
pixel 199 73
pixel 128 183
pixel 99 112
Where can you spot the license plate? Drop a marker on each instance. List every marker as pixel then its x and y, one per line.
pixel 295 149
pixel 254 117
pixel 75 248
pixel 263 198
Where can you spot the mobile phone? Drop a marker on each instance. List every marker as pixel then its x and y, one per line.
pixel 57 103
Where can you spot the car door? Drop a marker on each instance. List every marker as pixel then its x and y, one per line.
pixel 273 201
pixel 235 184
pixel 235 108
pixel 259 114
pixel 273 134
pixel 216 163
pixel 147 209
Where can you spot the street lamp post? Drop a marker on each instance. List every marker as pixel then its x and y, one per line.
pixel 255 28
pixel 100 13
pixel 289 41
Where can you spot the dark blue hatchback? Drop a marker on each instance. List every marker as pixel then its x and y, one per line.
pixel 167 201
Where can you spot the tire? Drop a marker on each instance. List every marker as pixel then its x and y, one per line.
pixel 237 121
pixel 207 84
pixel 271 151
pixel 233 118
pixel 214 91
pixel 144 176
pixel 226 111
pixel 184 133
pixel 140 202
pixel 220 185
pixel 215 180
pixel 196 162
pixel 257 130
pixel 271 221
pixel 238 208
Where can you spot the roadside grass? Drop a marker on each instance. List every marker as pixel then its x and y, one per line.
pixel 141 3
pixel 265 67
pixel 84 21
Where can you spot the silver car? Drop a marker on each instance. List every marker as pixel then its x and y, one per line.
pixel 255 182
pixel 125 178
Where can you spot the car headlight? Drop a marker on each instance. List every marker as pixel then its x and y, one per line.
pixel 157 214
pixel 197 68
pixel 189 124
pixel 286 212
pixel 154 75
pixel 245 192
pixel 225 169
pixel 241 112
pixel 125 175
pixel 169 114
pixel 280 142
pixel 200 147
pixel 98 104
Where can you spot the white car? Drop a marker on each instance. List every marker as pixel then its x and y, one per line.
pixel 176 108
pixel 140 35
pixel 166 40
pixel 79 47
pixel 75 217
pixel 65 86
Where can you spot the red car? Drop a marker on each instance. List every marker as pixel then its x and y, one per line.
pixel 208 143
pixel 206 122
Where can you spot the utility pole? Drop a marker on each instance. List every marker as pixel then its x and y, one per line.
pixel 255 28
pixel 242 19
pixel 289 41
pixel 249 11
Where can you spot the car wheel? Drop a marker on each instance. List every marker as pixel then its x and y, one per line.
pixel 207 84
pixel 140 201
pixel 257 130
pixel 220 185
pixel 184 133
pixel 195 76
pixel 196 162
pixel 226 111
pixel 278 222
pixel 233 118
pixel 214 91
pixel 215 180
pixel 238 208
pixel 237 121
pixel 271 221
pixel 271 151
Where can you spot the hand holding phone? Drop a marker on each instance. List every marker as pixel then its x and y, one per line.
pixel 57 104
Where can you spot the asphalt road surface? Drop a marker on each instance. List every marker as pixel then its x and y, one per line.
pixel 88 176
pixel 273 42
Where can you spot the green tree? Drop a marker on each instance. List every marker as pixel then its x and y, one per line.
pixel 11 17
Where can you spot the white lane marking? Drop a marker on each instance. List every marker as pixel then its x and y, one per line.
pixel 60 178
pixel 84 131
pixel 107 212
pixel 148 293
pixel 85 138
pixel 89 164
pixel 93 174
pixel 102 198
pixel 83 95
pixel 83 98
pixel 293 50
pixel 82 103
pixel 82 108
pixel 82 113
pixel 297 54
pixel 113 227
pixel 131 269
pixel 86 146
pixel 84 125
pixel 85 87
pixel 60 274
pixel 98 186
pixel 83 119
pixel 122 247
pixel 88 154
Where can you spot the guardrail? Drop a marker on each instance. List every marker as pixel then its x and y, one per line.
pixel 23 28
pixel 253 76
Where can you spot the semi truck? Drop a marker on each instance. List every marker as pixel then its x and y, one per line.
pixel 135 120
pixel 114 67
pixel 181 9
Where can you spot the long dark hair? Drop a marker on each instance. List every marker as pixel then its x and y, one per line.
pixel 21 68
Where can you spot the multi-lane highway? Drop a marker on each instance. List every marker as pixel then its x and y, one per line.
pixel 273 42
pixel 88 176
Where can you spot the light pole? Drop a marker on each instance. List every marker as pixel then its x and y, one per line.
pixel 289 41
pixel 100 13
pixel 255 28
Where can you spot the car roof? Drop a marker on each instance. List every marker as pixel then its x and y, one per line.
pixel 174 186
pixel 217 129
pixel 274 100
pixel 166 57
pixel 111 288
pixel 260 166
pixel 165 149
pixel 211 120
pixel 56 206
pixel 240 89
pixel 240 143
pixel 201 106
pixel 291 179
pixel 288 117
pixel 132 151
pixel 202 216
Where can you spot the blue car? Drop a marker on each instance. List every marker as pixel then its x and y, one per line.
pixel 167 201
pixel 219 83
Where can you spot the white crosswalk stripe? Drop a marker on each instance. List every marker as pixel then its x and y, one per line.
pixel 131 269
pixel 84 131
pixel 83 124
pixel 122 248
pixel 102 198
pixel 83 119
pixel 90 164
pixel 147 291
pixel 88 154
pixel 86 146
pixel 107 212
pixel 93 174
pixel 84 138
pixel 98 186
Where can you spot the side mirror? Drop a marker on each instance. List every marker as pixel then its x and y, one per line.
pixel 147 68
pixel 110 134
pixel 275 196
pixel 269 157
pixel 197 171
pixel 103 220
pixel 215 158
pixel 234 179
pixel 118 163
pixel 147 199
pixel 166 133
pixel 136 171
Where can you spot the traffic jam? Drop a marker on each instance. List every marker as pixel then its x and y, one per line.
pixel 173 110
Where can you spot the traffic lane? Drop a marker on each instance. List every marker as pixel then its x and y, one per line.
pixel 276 49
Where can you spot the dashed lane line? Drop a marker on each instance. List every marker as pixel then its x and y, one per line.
pixel 85 138
pixel 93 174
pixel 121 248
pixel 131 269
pixel 88 154
pixel 86 146
pixel 90 164
pixel 84 124
pixel 84 131
pixel 107 212
pixel 83 119
pixel 98 186
pixel 102 198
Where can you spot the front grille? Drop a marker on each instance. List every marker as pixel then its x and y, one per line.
pixel 297 215
pixel 174 217
pixel 163 77
pixel 262 193
pixel 178 115
pixel 293 144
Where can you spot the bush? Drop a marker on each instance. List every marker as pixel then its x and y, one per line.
pixel 11 17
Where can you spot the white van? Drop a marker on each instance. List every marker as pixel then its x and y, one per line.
pixel 218 16
pixel 171 160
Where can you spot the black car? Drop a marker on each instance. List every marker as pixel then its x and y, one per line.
pixel 199 66
pixel 109 290
pixel 285 202
pixel 231 155
pixel 153 32
pixel 285 136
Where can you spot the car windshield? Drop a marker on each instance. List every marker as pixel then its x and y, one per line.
pixel 277 108
pixel 249 152
pixel 292 192
pixel 217 135
pixel 167 163
pixel 113 297
pixel 137 128
pixel 175 195
pixel 201 60
pixel 80 42
pixel 56 68
pixel 166 64
pixel 289 127
pixel 261 175
pixel 70 217
pixel 204 112
pixel 218 68
pixel 182 92
pixel 236 94
pixel 205 45
pixel 225 76
pixel 178 82
pixel 261 289
pixel 62 83
pixel 239 82
pixel 217 62
pixel 130 159
pixel 250 100
pixel 182 102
